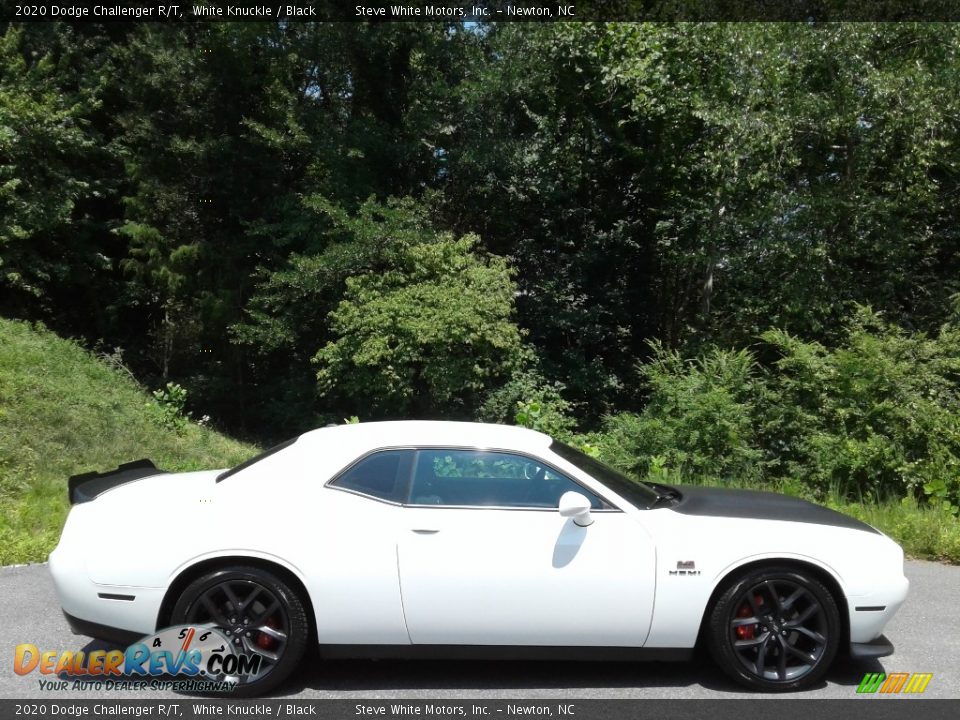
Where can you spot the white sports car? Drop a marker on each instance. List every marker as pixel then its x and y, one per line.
pixel 443 539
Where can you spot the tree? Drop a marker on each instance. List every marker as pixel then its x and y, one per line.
pixel 427 337
pixel 46 149
pixel 808 169
pixel 200 194
pixel 542 165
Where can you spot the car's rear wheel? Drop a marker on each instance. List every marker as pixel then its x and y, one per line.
pixel 261 616
pixel 775 629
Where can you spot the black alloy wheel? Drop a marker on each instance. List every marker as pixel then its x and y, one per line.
pixel 260 615
pixel 775 629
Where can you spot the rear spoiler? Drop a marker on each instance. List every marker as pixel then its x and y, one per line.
pixel 87 486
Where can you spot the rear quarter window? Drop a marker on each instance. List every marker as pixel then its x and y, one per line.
pixel 382 475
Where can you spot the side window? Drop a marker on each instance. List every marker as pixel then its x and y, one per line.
pixel 492 479
pixel 383 475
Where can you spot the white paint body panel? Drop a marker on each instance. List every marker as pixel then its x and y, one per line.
pixel 525 577
pixel 483 577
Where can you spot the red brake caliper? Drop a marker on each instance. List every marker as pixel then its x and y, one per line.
pixel 746 632
pixel 265 641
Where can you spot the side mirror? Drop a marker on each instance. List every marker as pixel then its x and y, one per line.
pixel 576 506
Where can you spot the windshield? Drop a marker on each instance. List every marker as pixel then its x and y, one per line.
pixel 636 492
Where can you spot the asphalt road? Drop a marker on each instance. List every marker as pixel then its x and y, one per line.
pixel 926 633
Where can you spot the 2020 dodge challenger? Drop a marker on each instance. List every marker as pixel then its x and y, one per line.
pixel 443 539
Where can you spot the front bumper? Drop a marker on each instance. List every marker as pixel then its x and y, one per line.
pixel 870 613
pixel 877 648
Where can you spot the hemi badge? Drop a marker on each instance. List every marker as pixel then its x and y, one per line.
pixel 685 567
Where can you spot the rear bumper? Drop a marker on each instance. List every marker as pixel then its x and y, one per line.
pixel 89 605
pixel 876 648
pixel 113 635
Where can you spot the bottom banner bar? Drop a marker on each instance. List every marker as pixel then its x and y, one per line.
pixel 869 708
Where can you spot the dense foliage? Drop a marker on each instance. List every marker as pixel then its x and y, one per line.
pixel 434 332
pixel 877 416
pixel 297 223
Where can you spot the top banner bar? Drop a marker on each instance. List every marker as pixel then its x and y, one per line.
pixel 481 11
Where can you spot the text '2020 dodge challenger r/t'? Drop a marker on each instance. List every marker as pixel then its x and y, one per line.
pixel 443 539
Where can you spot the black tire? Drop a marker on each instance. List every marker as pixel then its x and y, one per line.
pixel 277 626
pixel 794 639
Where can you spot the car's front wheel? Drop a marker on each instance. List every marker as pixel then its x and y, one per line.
pixel 775 629
pixel 261 616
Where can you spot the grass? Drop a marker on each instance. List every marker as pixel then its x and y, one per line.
pixel 62 411
pixel 923 532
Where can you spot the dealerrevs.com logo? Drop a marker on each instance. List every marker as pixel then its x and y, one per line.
pixel 184 657
pixel 894 683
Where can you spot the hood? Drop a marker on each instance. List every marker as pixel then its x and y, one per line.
pixel 755 505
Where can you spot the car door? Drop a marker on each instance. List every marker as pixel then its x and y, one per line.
pixel 486 559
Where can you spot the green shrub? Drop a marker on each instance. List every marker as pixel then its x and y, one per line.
pixel 169 407
pixel 426 337
pixel 530 400
pixel 878 416
pixel 698 420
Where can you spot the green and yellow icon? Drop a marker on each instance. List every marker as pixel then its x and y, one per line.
pixel 894 683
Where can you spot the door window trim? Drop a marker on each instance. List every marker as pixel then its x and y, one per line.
pixel 409 479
